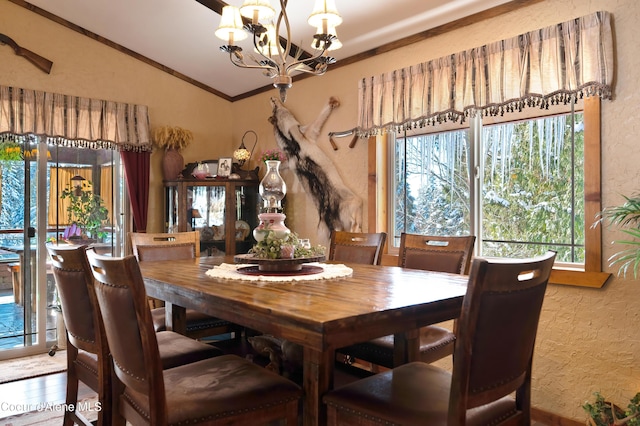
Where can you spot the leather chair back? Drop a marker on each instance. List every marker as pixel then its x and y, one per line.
pixel 122 298
pixel 357 247
pixel 497 332
pixel 87 348
pixel 436 253
pixel 165 246
pixel 77 297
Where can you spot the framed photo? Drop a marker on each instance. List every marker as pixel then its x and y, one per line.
pixel 213 167
pixel 224 166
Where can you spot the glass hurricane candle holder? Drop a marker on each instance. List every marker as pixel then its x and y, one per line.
pixel 272 188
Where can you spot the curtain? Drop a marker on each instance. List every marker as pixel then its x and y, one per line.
pixel 106 189
pixel 137 167
pixel 88 123
pixel 58 182
pixel 74 121
pixel 546 66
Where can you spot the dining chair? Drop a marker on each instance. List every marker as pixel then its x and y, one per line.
pixel 88 359
pixel 493 359
pixel 357 247
pixel 433 253
pixel 218 391
pixel 178 246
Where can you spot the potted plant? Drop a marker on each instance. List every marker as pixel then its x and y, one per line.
pixel 604 413
pixel 627 217
pixel 86 213
pixel 172 139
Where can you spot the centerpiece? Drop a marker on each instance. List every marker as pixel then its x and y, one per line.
pixel 277 249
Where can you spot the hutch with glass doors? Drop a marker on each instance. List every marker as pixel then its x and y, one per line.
pixel 225 211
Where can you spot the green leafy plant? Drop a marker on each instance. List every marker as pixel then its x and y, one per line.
pixel 627 217
pixel 86 210
pixel 604 413
pixel 271 247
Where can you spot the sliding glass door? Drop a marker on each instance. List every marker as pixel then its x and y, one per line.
pixel 49 195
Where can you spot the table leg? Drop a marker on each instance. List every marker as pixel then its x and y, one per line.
pixel 406 347
pixel 317 380
pixel 176 318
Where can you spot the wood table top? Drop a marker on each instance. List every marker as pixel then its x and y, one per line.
pixel 372 295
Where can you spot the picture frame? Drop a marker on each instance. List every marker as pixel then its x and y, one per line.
pixel 213 167
pixel 224 166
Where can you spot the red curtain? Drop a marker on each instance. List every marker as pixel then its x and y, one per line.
pixel 136 166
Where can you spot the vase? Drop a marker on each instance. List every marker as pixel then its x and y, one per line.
pixel 272 188
pixel 271 222
pixel 172 164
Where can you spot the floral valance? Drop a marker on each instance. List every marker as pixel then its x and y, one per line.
pixel 75 121
pixel 550 65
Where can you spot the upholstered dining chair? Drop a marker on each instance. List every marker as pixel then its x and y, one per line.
pixel 357 247
pixel 223 390
pixel 177 246
pixel 493 359
pixel 88 358
pixel 433 253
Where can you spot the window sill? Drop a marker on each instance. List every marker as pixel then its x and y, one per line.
pixel 559 276
pixel 578 278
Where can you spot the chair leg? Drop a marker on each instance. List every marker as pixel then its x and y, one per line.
pixel 117 388
pixel 72 385
pixel 71 400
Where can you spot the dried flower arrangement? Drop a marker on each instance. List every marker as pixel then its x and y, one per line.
pixel 172 137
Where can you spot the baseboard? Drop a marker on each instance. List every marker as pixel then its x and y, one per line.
pixel 551 419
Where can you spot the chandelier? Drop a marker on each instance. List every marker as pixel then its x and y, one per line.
pixel 274 54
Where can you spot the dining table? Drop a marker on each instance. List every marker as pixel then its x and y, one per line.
pixel 321 315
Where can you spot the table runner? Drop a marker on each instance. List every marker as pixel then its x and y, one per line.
pixel 228 271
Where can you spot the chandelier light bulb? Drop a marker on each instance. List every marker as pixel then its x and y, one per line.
pixel 325 13
pixel 230 28
pixel 257 10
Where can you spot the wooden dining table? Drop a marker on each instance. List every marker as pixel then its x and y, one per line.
pixel 320 315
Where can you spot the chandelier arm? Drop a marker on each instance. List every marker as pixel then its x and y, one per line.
pixel 304 62
pixel 313 71
pixel 267 59
pixel 242 64
pixel 283 15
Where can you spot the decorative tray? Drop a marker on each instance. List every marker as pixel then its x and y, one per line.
pixel 276 265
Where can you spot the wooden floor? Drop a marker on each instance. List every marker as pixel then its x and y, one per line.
pixel 25 395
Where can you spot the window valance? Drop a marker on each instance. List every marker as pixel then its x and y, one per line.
pixel 550 65
pixel 72 120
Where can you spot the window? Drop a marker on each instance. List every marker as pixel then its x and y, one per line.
pixel 538 170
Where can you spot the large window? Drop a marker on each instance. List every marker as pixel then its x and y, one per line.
pixel 522 187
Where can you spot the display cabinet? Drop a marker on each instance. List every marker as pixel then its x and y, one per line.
pixel 224 211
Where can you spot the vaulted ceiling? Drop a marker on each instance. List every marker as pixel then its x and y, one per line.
pixel 178 35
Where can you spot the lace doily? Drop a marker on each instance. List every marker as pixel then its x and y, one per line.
pixel 228 271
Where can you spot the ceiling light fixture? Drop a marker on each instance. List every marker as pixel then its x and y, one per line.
pixel 274 56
